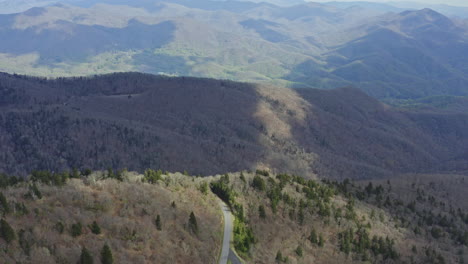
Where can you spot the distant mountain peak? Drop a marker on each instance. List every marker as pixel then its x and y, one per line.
pixel 35 11
pixel 418 18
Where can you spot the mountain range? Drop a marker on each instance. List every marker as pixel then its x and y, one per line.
pixel 392 56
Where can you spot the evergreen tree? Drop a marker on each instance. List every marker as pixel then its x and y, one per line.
pixel 106 255
pixel 85 257
pixel 6 231
pixel 313 237
pixel 76 229
pixel 279 257
pixel 321 242
pixel 193 226
pixel 95 228
pixel 300 216
pixel 258 183
pixel 76 174
pixel 4 204
pixel 261 211
pixel 36 191
pixel 158 223
pixel 242 177
pixel 299 251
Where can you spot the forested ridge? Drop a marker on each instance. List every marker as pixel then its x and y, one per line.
pixel 136 121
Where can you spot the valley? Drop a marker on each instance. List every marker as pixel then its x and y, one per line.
pixel 392 56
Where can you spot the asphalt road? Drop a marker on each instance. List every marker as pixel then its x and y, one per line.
pixel 228 223
pixel 226 252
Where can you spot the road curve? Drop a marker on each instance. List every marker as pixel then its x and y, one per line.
pixel 228 223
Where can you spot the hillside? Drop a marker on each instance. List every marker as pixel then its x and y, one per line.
pixel 400 55
pixel 279 218
pixel 139 121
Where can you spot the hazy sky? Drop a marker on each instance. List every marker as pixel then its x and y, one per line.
pixel 447 2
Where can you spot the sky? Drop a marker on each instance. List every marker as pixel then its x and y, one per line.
pixel 447 2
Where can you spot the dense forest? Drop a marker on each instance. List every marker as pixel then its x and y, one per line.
pixel 205 126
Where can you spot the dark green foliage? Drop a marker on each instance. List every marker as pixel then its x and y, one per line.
pixel 204 188
pixel 223 191
pixel 258 183
pixel 110 173
pixel 242 177
pixel 47 177
pixel 300 216
pixel 321 241
pixel 4 207
pixel 75 173
pixel 192 223
pixel 299 251
pixel 85 257
pixel 158 223
pixel 275 195
pixel 76 229
pixel 284 179
pixel 346 238
pixel 106 255
pixel 6 231
pixel 279 257
pixel 86 172
pixel 95 228
pixel 313 237
pixel 6 180
pixel 261 211
pixel 152 176
pixel 360 243
pixel 243 236
pixel 35 191
pixel 262 172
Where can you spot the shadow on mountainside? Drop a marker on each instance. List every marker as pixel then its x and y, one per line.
pixel 206 126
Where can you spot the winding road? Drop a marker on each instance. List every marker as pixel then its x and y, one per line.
pixel 226 252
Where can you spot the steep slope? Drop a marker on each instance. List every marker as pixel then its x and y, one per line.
pixel 53 223
pixel 410 55
pixel 279 218
pixel 139 121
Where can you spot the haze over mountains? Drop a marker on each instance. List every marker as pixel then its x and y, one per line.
pixel 371 168
pixel 396 55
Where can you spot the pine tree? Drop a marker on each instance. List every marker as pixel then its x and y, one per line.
pixel 6 231
pixel 76 229
pixel 158 223
pixel 279 257
pixel 85 257
pixel 299 251
pixel 36 191
pixel 95 228
pixel 261 211
pixel 313 237
pixel 193 226
pixel 4 204
pixel 106 255
pixel 242 177
pixel 321 242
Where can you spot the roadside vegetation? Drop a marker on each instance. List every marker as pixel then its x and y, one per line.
pixel 117 216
